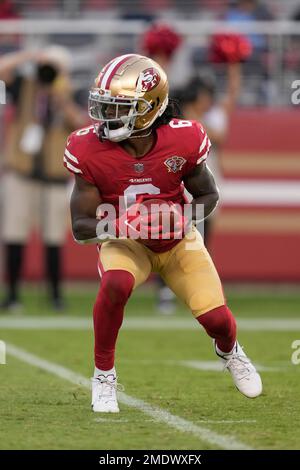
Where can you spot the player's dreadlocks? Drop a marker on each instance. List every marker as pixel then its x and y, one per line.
pixel 172 111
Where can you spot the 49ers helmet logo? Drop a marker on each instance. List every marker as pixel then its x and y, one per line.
pixel 150 79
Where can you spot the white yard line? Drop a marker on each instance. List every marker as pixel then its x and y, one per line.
pixel 45 323
pixel 139 323
pixel 217 366
pixel 158 414
pixel 116 419
pixel 211 366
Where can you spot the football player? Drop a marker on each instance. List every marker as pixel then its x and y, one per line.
pixel 136 149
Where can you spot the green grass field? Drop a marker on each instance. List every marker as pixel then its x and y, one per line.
pixel 167 362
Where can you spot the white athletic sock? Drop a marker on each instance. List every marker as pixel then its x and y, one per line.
pixel 104 372
pixel 222 353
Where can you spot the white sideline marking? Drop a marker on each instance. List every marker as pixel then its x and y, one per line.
pixel 139 323
pixel 158 414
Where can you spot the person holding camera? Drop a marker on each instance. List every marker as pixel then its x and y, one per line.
pixel 34 181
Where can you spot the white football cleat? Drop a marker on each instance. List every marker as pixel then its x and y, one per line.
pixel 104 394
pixel 245 377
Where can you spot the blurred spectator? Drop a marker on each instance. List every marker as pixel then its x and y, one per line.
pixel 296 14
pixel 292 49
pixel 35 181
pixel 261 60
pixel 7 10
pixel 165 45
pixel 160 42
pixel 198 102
pixel 249 10
pixel 8 42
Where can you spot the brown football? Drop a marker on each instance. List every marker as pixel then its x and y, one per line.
pixel 162 215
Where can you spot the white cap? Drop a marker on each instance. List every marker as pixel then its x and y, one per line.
pixel 57 55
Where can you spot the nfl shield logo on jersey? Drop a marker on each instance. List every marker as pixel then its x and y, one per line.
pixel 175 163
pixel 139 167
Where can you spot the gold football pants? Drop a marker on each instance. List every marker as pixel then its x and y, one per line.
pixel 187 269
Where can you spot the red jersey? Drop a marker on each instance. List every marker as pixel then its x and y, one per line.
pixel 179 147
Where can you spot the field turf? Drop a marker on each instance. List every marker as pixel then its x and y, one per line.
pixel 166 362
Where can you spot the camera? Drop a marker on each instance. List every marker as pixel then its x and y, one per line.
pixel 46 73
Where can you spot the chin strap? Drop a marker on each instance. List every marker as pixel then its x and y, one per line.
pixel 117 135
pixel 101 132
pixel 136 136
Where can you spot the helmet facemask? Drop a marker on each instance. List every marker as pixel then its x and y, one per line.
pixel 116 114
